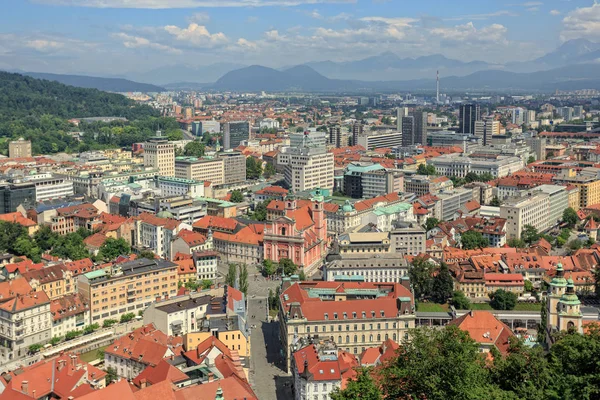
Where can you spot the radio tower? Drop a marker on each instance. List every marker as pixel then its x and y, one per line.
pixel 437 80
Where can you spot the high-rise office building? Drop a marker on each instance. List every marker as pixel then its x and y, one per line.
pixel 468 114
pixel 401 112
pixel 487 128
pixel 19 148
pixel 13 195
pixel 307 164
pixel 357 130
pixel 335 136
pixel 159 153
pixel 518 115
pixel 234 133
pixel 578 112
pixel 414 129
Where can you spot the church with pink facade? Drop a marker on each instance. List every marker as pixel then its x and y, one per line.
pixel 298 233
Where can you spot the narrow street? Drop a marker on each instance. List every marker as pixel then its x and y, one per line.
pixel 268 379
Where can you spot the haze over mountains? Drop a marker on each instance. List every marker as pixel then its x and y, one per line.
pixel 573 65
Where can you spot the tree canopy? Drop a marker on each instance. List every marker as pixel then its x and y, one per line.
pixel 446 364
pixel 570 217
pixel 473 240
pixel 503 300
pixel 253 168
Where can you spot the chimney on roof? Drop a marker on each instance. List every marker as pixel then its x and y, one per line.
pixel 24 386
pixel 471 313
pixel 73 360
pixel 143 383
pixel 61 364
pixel 210 377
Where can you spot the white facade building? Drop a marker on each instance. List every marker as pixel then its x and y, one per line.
pixel 460 166
pixel 533 209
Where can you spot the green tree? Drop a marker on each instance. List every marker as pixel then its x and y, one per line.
pixel 175 135
pixel 362 387
pixel 420 274
pixel 528 286
pixel 287 266
pixel 90 328
pixel 45 238
pixel 34 348
pixel 194 149
pixel 495 202
pixel 206 284
pixel 442 285
pixel 231 276
pixel 302 275
pixel 147 254
pixel 269 171
pixel 530 160
pixel 113 248
pixel 426 170
pixel 268 267
pixel 503 300
pixel 530 234
pixel 111 375
pixel 244 279
pixel 55 340
pixel 570 217
pixel 575 244
pixel 100 354
pixel 109 322
pixel 517 243
pixel 437 364
pixel 236 196
pixel 73 334
pixel 541 331
pixel 253 168
pixel 431 223
pixel 460 301
pixel 473 240
pixel 260 211
pixel 127 317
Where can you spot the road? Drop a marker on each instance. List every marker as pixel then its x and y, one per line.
pixel 267 378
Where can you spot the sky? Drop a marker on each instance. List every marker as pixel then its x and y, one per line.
pixel 117 37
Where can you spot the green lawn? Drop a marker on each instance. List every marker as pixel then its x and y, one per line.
pixel 432 307
pixel 91 355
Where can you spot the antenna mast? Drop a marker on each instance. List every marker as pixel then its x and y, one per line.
pixel 437 79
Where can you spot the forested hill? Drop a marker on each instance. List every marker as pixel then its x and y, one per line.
pixel 39 110
pixel 22 96
pixel 94 82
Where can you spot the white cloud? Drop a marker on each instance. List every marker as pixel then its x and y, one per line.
pixel 468 33
pixel 199 18
pixel 134 42
pixel 475 17
pixel 161 4
pixel 196 35
pixel 44 45
pixel 555 12
pixel 582 22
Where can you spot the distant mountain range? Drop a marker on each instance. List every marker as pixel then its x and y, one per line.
pixel 92 82
pixel 303 78
pixel 573 65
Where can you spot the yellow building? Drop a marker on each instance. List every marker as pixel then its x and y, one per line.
pixel 588 184
pixel 56 281
pixel 573 196
pixel 128 287
pixel 227 330
pixel 207 169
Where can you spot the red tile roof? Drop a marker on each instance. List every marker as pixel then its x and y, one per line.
pixel 151 219
pixel 67 306
pixel 485 328
pixel 17 218
pixel 216 223
pixel 161 372
pixel 192 238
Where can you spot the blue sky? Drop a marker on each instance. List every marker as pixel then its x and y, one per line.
pixel 112 37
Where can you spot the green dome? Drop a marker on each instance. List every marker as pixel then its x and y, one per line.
pixel 347 207
pixel 164 214
pixel 559 279
pixel 570 297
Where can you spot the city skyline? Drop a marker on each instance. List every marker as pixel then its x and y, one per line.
pixel 115 37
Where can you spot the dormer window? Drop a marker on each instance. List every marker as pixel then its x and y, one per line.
pixel 354 314
pixel 326 316
pixel 345 316
pixel 335 315
pixel 364 314
pixel 372 314
pixel 382 313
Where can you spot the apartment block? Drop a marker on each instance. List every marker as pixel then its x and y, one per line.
pixel 25 319
pixel 69 313
pixel 234 167
pixel 201 169
pixel 532 209
pixel 19 148
pixel 558 201
pixel 423 184
pixel 179 315
pixel 388 267
pixel 159 154
pixel 408 239
pixel 127 287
